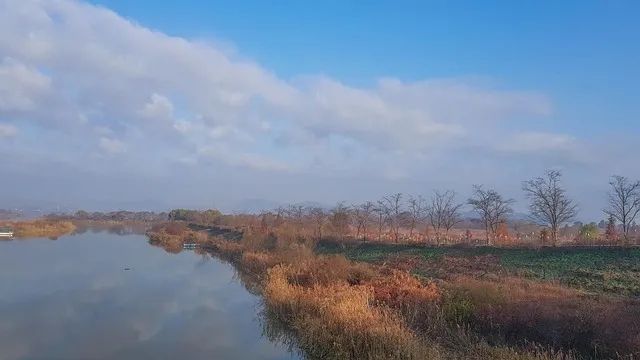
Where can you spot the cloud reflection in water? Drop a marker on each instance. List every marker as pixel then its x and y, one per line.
pixel 72 299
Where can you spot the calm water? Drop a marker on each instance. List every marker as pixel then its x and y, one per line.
pixel 72 299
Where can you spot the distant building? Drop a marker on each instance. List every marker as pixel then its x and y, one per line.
pixel 6 231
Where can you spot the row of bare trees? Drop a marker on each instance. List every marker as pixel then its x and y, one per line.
pixel 549 205
pixel 392 212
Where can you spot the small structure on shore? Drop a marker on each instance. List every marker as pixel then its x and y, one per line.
pixel 190 246
pixel 6 232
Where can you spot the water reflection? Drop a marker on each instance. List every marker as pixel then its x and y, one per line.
pixel 72 299
pixel 279 333
pixel 113 229
pixel 273 329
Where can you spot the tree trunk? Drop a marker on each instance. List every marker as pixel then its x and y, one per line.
pixel 486 230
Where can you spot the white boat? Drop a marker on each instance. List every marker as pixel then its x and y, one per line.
pixel 6 232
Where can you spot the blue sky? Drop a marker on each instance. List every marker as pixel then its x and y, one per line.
pixel 582 53
pixel 291 101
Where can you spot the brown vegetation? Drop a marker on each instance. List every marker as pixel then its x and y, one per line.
pixel 40 228
pixel 517 309
pixel 171 236
pixel 468 307
pixel 337 321
pixel 338 309
pixel 406 307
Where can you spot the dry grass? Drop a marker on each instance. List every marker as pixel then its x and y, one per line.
pixel 335 308
pixel 40 228
pixel 171 236
pixel 518 310
pixel 337 321
pixel 257 264
pixel 512 289
pixel 339 309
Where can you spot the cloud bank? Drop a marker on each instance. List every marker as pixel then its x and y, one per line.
pixel 97 95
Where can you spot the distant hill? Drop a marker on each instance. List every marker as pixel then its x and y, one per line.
pixel 314 204
pixel 254 206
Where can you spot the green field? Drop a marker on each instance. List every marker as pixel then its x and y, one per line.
pixel 610 270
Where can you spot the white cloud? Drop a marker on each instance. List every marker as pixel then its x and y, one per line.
pixel 535 142
pixel 8 131
pixel 222 153
pixel 20 86
pixel 114 72
pixel 112 146
pixel 77 76
pixel 158 108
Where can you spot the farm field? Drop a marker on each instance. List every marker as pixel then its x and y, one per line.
pixel 599 270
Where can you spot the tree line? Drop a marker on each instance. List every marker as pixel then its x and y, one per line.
pixel 121 215
pixel 549 206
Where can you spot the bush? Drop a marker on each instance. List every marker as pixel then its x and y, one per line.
pixel 458 308
pixel 589 232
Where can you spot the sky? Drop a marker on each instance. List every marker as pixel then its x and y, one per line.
pixel 116 103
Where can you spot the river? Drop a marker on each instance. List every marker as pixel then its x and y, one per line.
pixel 105 295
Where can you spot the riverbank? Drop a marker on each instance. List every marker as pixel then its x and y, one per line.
pixel 39 228
pixel 337 308
pixel 171 236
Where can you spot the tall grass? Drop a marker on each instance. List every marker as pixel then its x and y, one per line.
pixel 335 308
pixel 40 228
pixel 337 321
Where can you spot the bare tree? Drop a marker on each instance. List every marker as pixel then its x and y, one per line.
pixel 281 212
pixel 382 215
pixel 281 216
pixel 492 208
pixel 284 215
pixel 417 210
pixel 394 205
pixel 623 202
pixel 362 216
pixel 296 215
pixel 268 221
pixel 443 212
pixel 339 219
pixel 319 217
pixel 549 203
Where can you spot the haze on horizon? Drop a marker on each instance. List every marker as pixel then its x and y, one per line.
pixel 210 103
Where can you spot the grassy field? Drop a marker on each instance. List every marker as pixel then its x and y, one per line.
pixel 610 270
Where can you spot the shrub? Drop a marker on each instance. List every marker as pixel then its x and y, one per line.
pixel 589 232
pixel 458 308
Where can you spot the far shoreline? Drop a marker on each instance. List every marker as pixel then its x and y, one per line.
pixel 39 228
